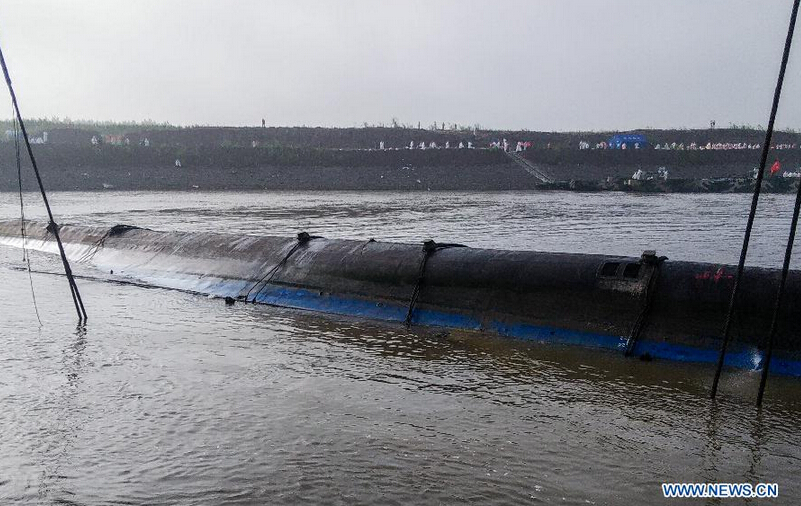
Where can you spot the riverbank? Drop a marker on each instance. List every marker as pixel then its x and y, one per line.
pixel 205 164
pixel 234 168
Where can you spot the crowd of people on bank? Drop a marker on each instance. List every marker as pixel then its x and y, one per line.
pixel 718 146
pixel 668 146
pixel 426 145
pixel 501 144
pixel 116 140
pixel 606 145
pixel 432 145
pixel 504 145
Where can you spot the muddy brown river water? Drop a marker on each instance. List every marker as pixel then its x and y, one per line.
pixel 170 398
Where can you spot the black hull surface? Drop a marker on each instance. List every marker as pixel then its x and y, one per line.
pixel 648 307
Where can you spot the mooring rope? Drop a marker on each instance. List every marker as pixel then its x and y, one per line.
pixel 755 200
pixel 101 243
pixel 25 255
pixel 76 296
pixel 19 181
pixel 788 253
pixel 648 258
pixel 303 238
pixel 429 248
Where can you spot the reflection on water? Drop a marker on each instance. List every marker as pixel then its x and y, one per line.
pixel 169 398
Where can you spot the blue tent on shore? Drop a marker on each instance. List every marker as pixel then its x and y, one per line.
pixel 617 141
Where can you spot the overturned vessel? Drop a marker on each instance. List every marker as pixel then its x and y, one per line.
pixel 649 306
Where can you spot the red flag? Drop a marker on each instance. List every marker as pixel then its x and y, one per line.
pixel 776 167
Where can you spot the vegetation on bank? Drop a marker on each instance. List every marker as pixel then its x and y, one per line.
pixel 396 135
pixel 36 126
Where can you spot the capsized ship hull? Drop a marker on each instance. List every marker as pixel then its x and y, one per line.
pixel 652 308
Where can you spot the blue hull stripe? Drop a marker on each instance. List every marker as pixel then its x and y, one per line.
pixel 742 357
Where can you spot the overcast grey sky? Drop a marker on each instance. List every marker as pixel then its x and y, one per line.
pixel 537 64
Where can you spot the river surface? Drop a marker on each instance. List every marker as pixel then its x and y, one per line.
pixel 170 398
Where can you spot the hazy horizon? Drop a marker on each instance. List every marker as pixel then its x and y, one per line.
pixel 545 66
pixel 80 122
